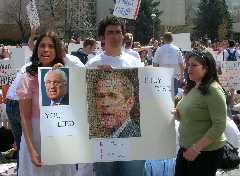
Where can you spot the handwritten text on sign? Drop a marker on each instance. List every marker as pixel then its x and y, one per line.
pixel 230 65
pixel 7 74
pixel 158 84
pixel 126 8
pixel 229 75
pixel 111 149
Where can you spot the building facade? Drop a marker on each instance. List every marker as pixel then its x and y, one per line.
pixel 82 16
pixel 234 7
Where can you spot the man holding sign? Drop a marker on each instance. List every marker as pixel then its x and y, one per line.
pixel 111 32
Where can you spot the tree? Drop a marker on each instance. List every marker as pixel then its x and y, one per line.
pixel 148 21
pixel 16 12
pixel 212 16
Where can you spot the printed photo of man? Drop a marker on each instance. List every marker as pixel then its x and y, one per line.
pixel 114 105
pixel 56 88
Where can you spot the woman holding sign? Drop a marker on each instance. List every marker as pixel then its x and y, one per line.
pixel 202 115
pixel 47 53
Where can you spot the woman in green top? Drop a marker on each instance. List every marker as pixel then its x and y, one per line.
pixel 202 116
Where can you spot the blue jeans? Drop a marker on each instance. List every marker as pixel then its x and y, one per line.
pixel 160 167
pixel 120 168
pixel 176 86
pixel 13 113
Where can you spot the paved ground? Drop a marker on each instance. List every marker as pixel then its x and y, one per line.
pixel 230 173
pixel 9 170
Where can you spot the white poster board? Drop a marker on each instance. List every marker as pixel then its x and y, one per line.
pixel 182 41
pixel 73 124
pixel 127 8
pixel 7 72
pixel 229 74
pixel 74 47
pixel 18 57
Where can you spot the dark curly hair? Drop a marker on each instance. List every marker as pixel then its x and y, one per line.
pixel 109 20
pixel 207 61
pixel 33 68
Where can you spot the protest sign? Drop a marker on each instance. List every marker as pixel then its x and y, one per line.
pixel 229 74
pixel 18 57
pixel 74 47
pixel 32 14
pixel 182 40
pixel 127 8
pixel 88 130
pixel 7 72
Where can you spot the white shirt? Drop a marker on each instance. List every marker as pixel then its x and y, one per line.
pixel 168 55
pixel 6 58
pixel 236 107
pixel 232 133
pixel 72 61
pixel 132 52
pixel 11 94
pixel 123 61
pixel 237 54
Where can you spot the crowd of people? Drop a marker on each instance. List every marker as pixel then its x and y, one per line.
pixel 201 110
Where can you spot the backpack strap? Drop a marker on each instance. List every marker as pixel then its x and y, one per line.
pixel 234 52
pixel 229 53
pixel 228 50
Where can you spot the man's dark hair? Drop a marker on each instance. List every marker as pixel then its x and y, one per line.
pixel 89 41
pixel 231 43
pixel 109 20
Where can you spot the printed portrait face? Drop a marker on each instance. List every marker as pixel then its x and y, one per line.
pixel 112 105
pixel 55 85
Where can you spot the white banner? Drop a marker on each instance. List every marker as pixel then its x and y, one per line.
pixel 7 72
pixel 106 116
pixel 127 8
pixel 33 14
pixel 18 57
pixel 182 40
pixel 229 74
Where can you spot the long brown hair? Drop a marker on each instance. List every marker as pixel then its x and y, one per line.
pixel 33 68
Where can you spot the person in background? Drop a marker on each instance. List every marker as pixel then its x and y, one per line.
pixel 231 53
pixel 89 46
pixel 13 113
pixel 5 53
pixel 128 44
pixel 169 55
pixel 155 46
pixel 143 55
